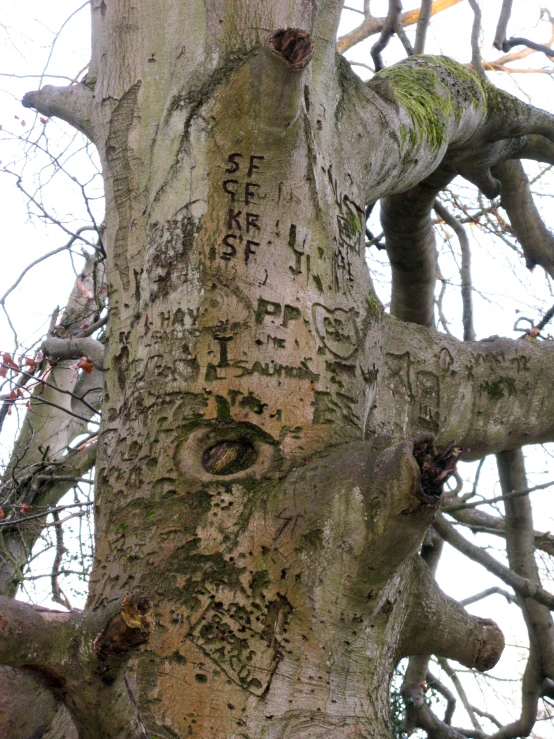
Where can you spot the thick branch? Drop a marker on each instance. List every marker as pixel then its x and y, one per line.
pixel 418 665
pixel 437 624
pixel 72 104
pixel 535 238
pixel 489 395
pixel 32 635
pixel 82 659
pixel 410 245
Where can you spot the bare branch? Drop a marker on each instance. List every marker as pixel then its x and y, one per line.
pixel 45 383
pixel 524 587
pixel 465 271
pixel 476 61
pixel 371 26
pixel 447 694
pixel 520 545
pixel 393 18
pixel 58 596
pixel 69 244
pixel 423 21
pixel 497 499
pixel 451 672
pixel 517 41
pixel 486 593
pixel 535 238
pixel 72 104
pixel 501 28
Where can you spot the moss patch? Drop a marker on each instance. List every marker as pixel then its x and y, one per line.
pixel 374 306
pixel 430 88
pixel 497 389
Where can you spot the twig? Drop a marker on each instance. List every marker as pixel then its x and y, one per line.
pixel 69 244
pixel 489 501
pixel 38 399
pixel 40 381
pixel 58 596
pixel 451 672
pixel 485 594
pixel 47 512
pixel 488 716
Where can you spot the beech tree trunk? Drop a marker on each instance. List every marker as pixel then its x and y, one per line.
pixel 267 469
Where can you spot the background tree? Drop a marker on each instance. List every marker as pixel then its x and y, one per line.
pixel 267 469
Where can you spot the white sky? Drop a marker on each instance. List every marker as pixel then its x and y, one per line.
pixel 27 31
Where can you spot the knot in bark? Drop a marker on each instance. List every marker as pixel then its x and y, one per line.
pixel 128 628
pixel 294 45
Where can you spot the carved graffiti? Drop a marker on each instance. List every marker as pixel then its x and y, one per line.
pixel 337 329
pixel 242 219
pixel 428 397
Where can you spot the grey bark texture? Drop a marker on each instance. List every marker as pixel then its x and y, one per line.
pixel 266 467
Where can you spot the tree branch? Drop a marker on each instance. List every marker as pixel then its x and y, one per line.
pixel 451 672
pixel 423 21
pixel 485 594
pixel 481 521
pixel 489 395
pixel 391 21
pixel 74 347
pixel 72 104
pixel 520 548
pixel 517 41
pixel 476 61
pixel 437 624
pixel 465 270
pixel 82 658
pixel 522 585
pixel 447 694
pixel 410 245
pixel 535 238
pixel 501 28
pixel 371 26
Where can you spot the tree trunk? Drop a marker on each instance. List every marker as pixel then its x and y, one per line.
pixel 254 481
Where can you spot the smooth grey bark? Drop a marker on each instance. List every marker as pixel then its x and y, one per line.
pixel 266 466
